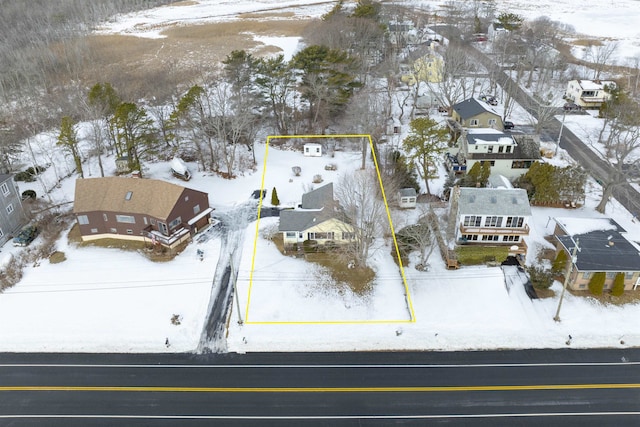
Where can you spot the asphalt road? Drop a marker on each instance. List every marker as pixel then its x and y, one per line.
pixel 561 387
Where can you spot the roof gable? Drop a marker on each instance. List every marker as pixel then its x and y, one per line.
pixel 472 107
pixel 131 195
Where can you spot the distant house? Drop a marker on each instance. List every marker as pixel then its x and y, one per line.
pixel 589 93
pixel 603 247
pixel 428 68
pixel 407 198
pixel 495 30
pixel 139 209
pixel 492 216
pixel 401 33
pixel 474 113
pixel 508 154
pixel 312 150
pixel 12 216
pixel 319 219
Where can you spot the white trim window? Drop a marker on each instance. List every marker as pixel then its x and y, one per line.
pixel 127 219
pixel 10 208
pixel 4 188
pixel 83 219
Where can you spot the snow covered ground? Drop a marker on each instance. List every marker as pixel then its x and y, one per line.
pixel 114 301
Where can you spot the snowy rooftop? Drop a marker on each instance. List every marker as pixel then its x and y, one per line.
pixel 575 226
pixel 493 201
pixel 594 85
pixel 493 138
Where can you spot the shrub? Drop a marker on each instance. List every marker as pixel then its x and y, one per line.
pixel 560 263
pixel 596 284
pixel 296 170
pixel 310 246
pixel 24 177
pixel 317 179
pixel 57 257
pixel 540 278
pixel 618 285
pixel 275 201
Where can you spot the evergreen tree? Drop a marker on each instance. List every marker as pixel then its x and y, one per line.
pixel 596 284
pixel 473 176
pixel 424 144
pixel 68 138
pixel 618 285
pixel 485 173
pixel 133 131
pixel 274 197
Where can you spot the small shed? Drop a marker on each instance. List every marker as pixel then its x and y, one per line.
pixel 407 198
pixel 312 150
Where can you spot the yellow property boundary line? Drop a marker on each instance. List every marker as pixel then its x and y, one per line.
pixel 417 389
pixel 393 234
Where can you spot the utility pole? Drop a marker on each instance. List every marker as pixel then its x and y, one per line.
pixel 564 114
pixel 566 279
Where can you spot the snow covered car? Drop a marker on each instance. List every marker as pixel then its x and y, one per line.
pixel 26 236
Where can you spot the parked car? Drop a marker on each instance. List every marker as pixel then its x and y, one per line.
pixel 570 106
pixel 508 125
pixel 26 236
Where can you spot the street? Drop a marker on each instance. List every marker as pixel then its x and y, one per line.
pixel 557 387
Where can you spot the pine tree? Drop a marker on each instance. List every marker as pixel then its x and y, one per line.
pixel 618 285
pixel 596 284
pixel 274 197
pixel 68 138
pixel 424 145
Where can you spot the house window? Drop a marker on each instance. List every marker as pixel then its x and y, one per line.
pixel 470 237
pixel 628 275
pixel 128 219
pixel 501 149
pixel 507 149
pixel 94 230
pixel 306 149
pixel 586 275
pixel 83 219
pixel 113 231
pixel 317 149
pixel 490 238
pixel 490 149
pixel 300 235
pixel 493 221
pixel 186 198
pixel 129 231
pixel 163 228
pixel 492 122
pixel 511 238
pixel 128 195
pixel 5 188
pixel 583 286
pixel 514 221
pixel 521 164
pixel 153 221
pixel 176 222
pixel 10 208
pixel 321 236
pixel 144 218
pixel 196 209
pixel 396 129
pixel 291 234
pixel 610 274
pixel 472 221
pixel 104 216
pixel 473 122
pixel 348 236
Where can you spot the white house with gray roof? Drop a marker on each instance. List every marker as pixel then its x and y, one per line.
pixel 508 155
pixel 603 247
pixel 319 218
pixel 492 215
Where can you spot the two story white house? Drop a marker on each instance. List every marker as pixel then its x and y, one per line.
pixel 589 93
pixel 508 154
pixel 492 216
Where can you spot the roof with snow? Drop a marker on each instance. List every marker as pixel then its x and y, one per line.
pixel 317 206
pixel 575 226
pixel 486 137
pixel 472 107
pixel 594 84
pixel 407 192
pixel 493 201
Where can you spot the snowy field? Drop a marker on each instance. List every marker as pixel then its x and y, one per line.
pixel 114 301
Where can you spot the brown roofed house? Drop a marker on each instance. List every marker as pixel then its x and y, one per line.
pixel 139 209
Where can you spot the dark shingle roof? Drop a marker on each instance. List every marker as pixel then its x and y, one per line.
pixel 318 198
pixel 598 254
pixel 472 107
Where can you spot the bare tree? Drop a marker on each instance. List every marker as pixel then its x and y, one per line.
pixel 600 55
pixel 363 208
pixel 455 83
pixel 419 237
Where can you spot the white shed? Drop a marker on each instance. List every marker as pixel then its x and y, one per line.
pixel 312 150
pixel 407 198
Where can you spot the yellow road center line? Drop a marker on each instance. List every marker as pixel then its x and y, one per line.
pixel 322 389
